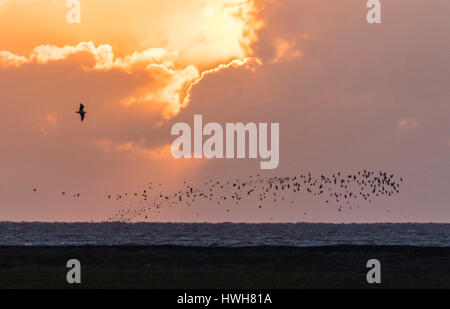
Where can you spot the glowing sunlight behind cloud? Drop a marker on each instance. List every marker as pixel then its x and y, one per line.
pixel 220 35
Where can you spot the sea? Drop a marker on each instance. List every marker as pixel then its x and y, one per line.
pixel 223 234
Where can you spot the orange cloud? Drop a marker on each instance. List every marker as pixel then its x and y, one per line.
pixel 285 49
pixel 8 59
pixel 175 83
pixel 135 150
pixel 220 37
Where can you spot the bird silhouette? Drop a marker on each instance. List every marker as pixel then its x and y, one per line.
pixel 81 111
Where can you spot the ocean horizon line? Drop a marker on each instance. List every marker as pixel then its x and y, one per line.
pixel 216 223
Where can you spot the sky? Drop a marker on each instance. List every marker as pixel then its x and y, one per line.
pixel 348 96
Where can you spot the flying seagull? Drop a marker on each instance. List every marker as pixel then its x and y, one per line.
pixel 81 112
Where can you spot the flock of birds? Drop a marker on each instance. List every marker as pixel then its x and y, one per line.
pixel 338 189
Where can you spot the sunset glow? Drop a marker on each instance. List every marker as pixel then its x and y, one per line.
pixel 348 95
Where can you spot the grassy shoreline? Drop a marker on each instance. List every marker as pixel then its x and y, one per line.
pixel 220 267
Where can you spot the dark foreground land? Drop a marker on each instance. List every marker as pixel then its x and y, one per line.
pixel 191 267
